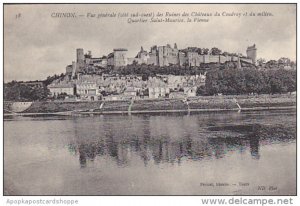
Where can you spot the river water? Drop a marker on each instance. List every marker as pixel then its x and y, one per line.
pixel 227 153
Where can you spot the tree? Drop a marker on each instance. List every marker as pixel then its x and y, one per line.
pixel 62 96
pixel 199 51
pixel 15 91
pixel 11 91
pixel 284 61
pixel 215 51
pixel 254 81
pixel 293 64
pixel 226 54
pixel 211 82
pixel 50 79
pixel 272 64
pixel 261 61
pixel 201 91
pixel 275 85
pixel 145 77
pixel 287 79
pixel 205 51
pixel 250 80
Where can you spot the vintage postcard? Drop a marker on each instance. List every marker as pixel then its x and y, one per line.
pixel 149 99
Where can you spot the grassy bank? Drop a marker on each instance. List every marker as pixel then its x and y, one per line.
pixel 202 103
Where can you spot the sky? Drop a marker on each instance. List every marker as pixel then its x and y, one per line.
pixel 37 45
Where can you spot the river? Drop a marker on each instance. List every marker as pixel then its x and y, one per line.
pixel 223 153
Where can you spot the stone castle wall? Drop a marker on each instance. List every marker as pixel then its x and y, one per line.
pixel 158 56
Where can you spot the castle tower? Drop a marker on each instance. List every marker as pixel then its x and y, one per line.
pixel 161 56
pixel 120 57
pixel 154 49
pixel 73 68
pixel 251 53
pixel 80 55
pixel 80 59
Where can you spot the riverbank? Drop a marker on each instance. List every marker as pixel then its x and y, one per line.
pixel 201 103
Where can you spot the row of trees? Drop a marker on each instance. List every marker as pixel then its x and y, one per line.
pixel 212 51
pixel 281 62
pixel 146 71
pixel 150 70
pixel 17 91
pixel 246 81
pixel 201 51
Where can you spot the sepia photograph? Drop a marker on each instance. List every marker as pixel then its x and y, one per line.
pixel 149 99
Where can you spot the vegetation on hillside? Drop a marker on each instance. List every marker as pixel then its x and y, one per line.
pixel 246 81
pixel 220 78
pixel 18 91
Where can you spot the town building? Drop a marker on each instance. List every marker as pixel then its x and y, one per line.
pixel 190 91
pixel 87 90
pixel 61 87
pixel 157 88
pixel 96 87
pixel 87 87
pixel 130 93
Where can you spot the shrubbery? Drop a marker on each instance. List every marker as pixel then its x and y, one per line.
pixel 15 91
pixel 246 81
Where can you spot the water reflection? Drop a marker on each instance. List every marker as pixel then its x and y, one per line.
pixel 153 139
pixel 254 147
pixel 151 154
